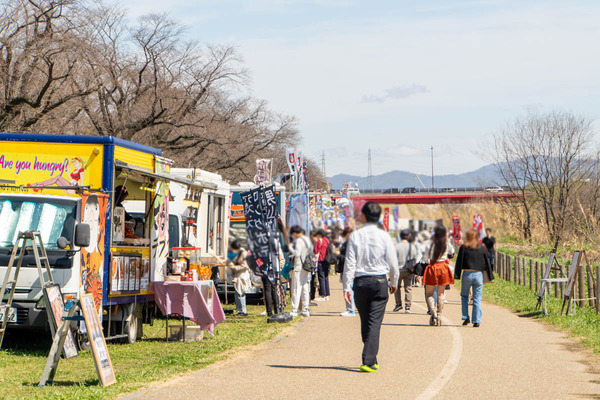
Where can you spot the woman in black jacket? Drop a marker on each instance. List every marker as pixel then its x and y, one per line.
pixel 472 261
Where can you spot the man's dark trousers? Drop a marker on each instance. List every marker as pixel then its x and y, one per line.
pixel 371 296
pixel 270 293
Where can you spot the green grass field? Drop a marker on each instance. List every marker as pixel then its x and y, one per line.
pixel 150 359
pixel 583 325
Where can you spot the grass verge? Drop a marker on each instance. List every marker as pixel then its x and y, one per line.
pixel 150 359
pixel 583 325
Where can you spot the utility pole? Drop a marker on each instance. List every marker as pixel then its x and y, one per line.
pixel 432 179
pixel 323 165
pixel 370 173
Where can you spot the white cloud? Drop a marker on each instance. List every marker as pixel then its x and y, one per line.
pixel 396 92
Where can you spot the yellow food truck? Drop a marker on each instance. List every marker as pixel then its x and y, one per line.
pixel 53 183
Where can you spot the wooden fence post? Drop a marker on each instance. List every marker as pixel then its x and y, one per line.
pixel 509 260
pixel 597 289
pixel 556 286
pixel 581 288
pixel 530 274
pixel 524 265
pixel 590 286
pixel 537 276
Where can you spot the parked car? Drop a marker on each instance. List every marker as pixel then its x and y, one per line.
pixel 494 189
pixel 409 190
pixel 446 190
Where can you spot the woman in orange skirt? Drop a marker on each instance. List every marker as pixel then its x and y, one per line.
pixel 438 272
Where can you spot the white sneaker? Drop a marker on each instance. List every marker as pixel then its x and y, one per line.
pixel 445 301
pixel 321 299
pixel 305 313
pixel 294 314
pixel 263 313
pixel 407 311
pixel 348 314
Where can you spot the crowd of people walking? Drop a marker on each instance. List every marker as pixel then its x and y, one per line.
pixel 372 266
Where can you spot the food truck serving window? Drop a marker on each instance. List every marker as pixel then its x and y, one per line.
pixel 52 218
pixel 132 196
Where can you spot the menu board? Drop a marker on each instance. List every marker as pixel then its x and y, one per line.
pixel 127 273
pixel 260 209
pixel 104 367
pixel 55 306
pixel 145 278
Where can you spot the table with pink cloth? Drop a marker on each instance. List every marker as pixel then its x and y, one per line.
pixel 196 300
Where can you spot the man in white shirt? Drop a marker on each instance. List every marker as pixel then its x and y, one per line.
pixel 370 256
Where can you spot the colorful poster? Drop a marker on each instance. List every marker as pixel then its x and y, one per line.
pixel 478 225
pixel 92 257
pixel 114 273
pixel 299 174
pixel 298 214
pixel 290 157
pixel 33 167
pixel 263 174
pixel 145 274
pixel 396 215
pixel 160 218
pixel 54 297
pixel 122 272
pixel 386 219
pixel 456 233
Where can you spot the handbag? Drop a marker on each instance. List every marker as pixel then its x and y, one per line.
pixel 419 269
pixel 411 263
pixel 486 277
pixel 285 271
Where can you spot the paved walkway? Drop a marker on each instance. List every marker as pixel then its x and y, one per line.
pixel 508 357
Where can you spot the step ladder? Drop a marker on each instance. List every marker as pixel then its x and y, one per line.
pixel 11 278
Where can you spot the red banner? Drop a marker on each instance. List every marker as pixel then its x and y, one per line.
pixel 478 225
pixel 386 219
pixel 456 233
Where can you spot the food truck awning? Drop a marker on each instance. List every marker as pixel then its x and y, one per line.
pixel 166 177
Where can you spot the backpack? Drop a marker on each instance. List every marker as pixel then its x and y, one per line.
pixel 330 256
pixel 308 264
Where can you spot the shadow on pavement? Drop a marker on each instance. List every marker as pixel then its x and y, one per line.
pixel 456 326
pixel 348 369
pixel 531 314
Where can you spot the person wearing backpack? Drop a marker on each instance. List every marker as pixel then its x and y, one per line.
pixel 407 258
pixel 323 251
pixel 301 274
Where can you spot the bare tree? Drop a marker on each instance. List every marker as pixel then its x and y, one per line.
pixel 549 156
pixel 150 81
pixel 38 61
pixel 80 67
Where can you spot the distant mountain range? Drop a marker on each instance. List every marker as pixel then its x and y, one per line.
pixel 484 176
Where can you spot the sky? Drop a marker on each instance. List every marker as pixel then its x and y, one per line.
pixel 399 77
